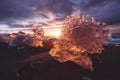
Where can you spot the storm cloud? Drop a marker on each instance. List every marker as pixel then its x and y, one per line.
pixel 22 10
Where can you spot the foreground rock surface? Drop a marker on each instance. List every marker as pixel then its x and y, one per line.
pixel 36 64
pixel 52 70
pixel 43 67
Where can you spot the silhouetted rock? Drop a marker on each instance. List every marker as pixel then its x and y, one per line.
pixel 106 67
pixel 34 63
pixel 50 70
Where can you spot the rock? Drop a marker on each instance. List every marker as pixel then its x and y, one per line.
pixel 49 69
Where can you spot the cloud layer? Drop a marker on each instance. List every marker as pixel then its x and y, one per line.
pixel 12 11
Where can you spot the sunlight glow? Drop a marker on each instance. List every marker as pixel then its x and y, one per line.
pixel 53 32
pixel 56 33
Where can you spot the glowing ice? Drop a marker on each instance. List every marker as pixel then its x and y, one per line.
pixel 80 36
pixel 29 39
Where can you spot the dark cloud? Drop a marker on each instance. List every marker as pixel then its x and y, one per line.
pixel 4 9
pixel 104 10
pixel 24 8
pixel 12 10
pixel 60 6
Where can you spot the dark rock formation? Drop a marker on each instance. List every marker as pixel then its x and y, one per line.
pixel 32 63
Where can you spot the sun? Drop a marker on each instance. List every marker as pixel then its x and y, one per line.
pixel 56 33
pixel 53 32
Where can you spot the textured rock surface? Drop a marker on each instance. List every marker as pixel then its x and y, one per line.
pixel 43 67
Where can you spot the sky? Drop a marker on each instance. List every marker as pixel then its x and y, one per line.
pixel 23 14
